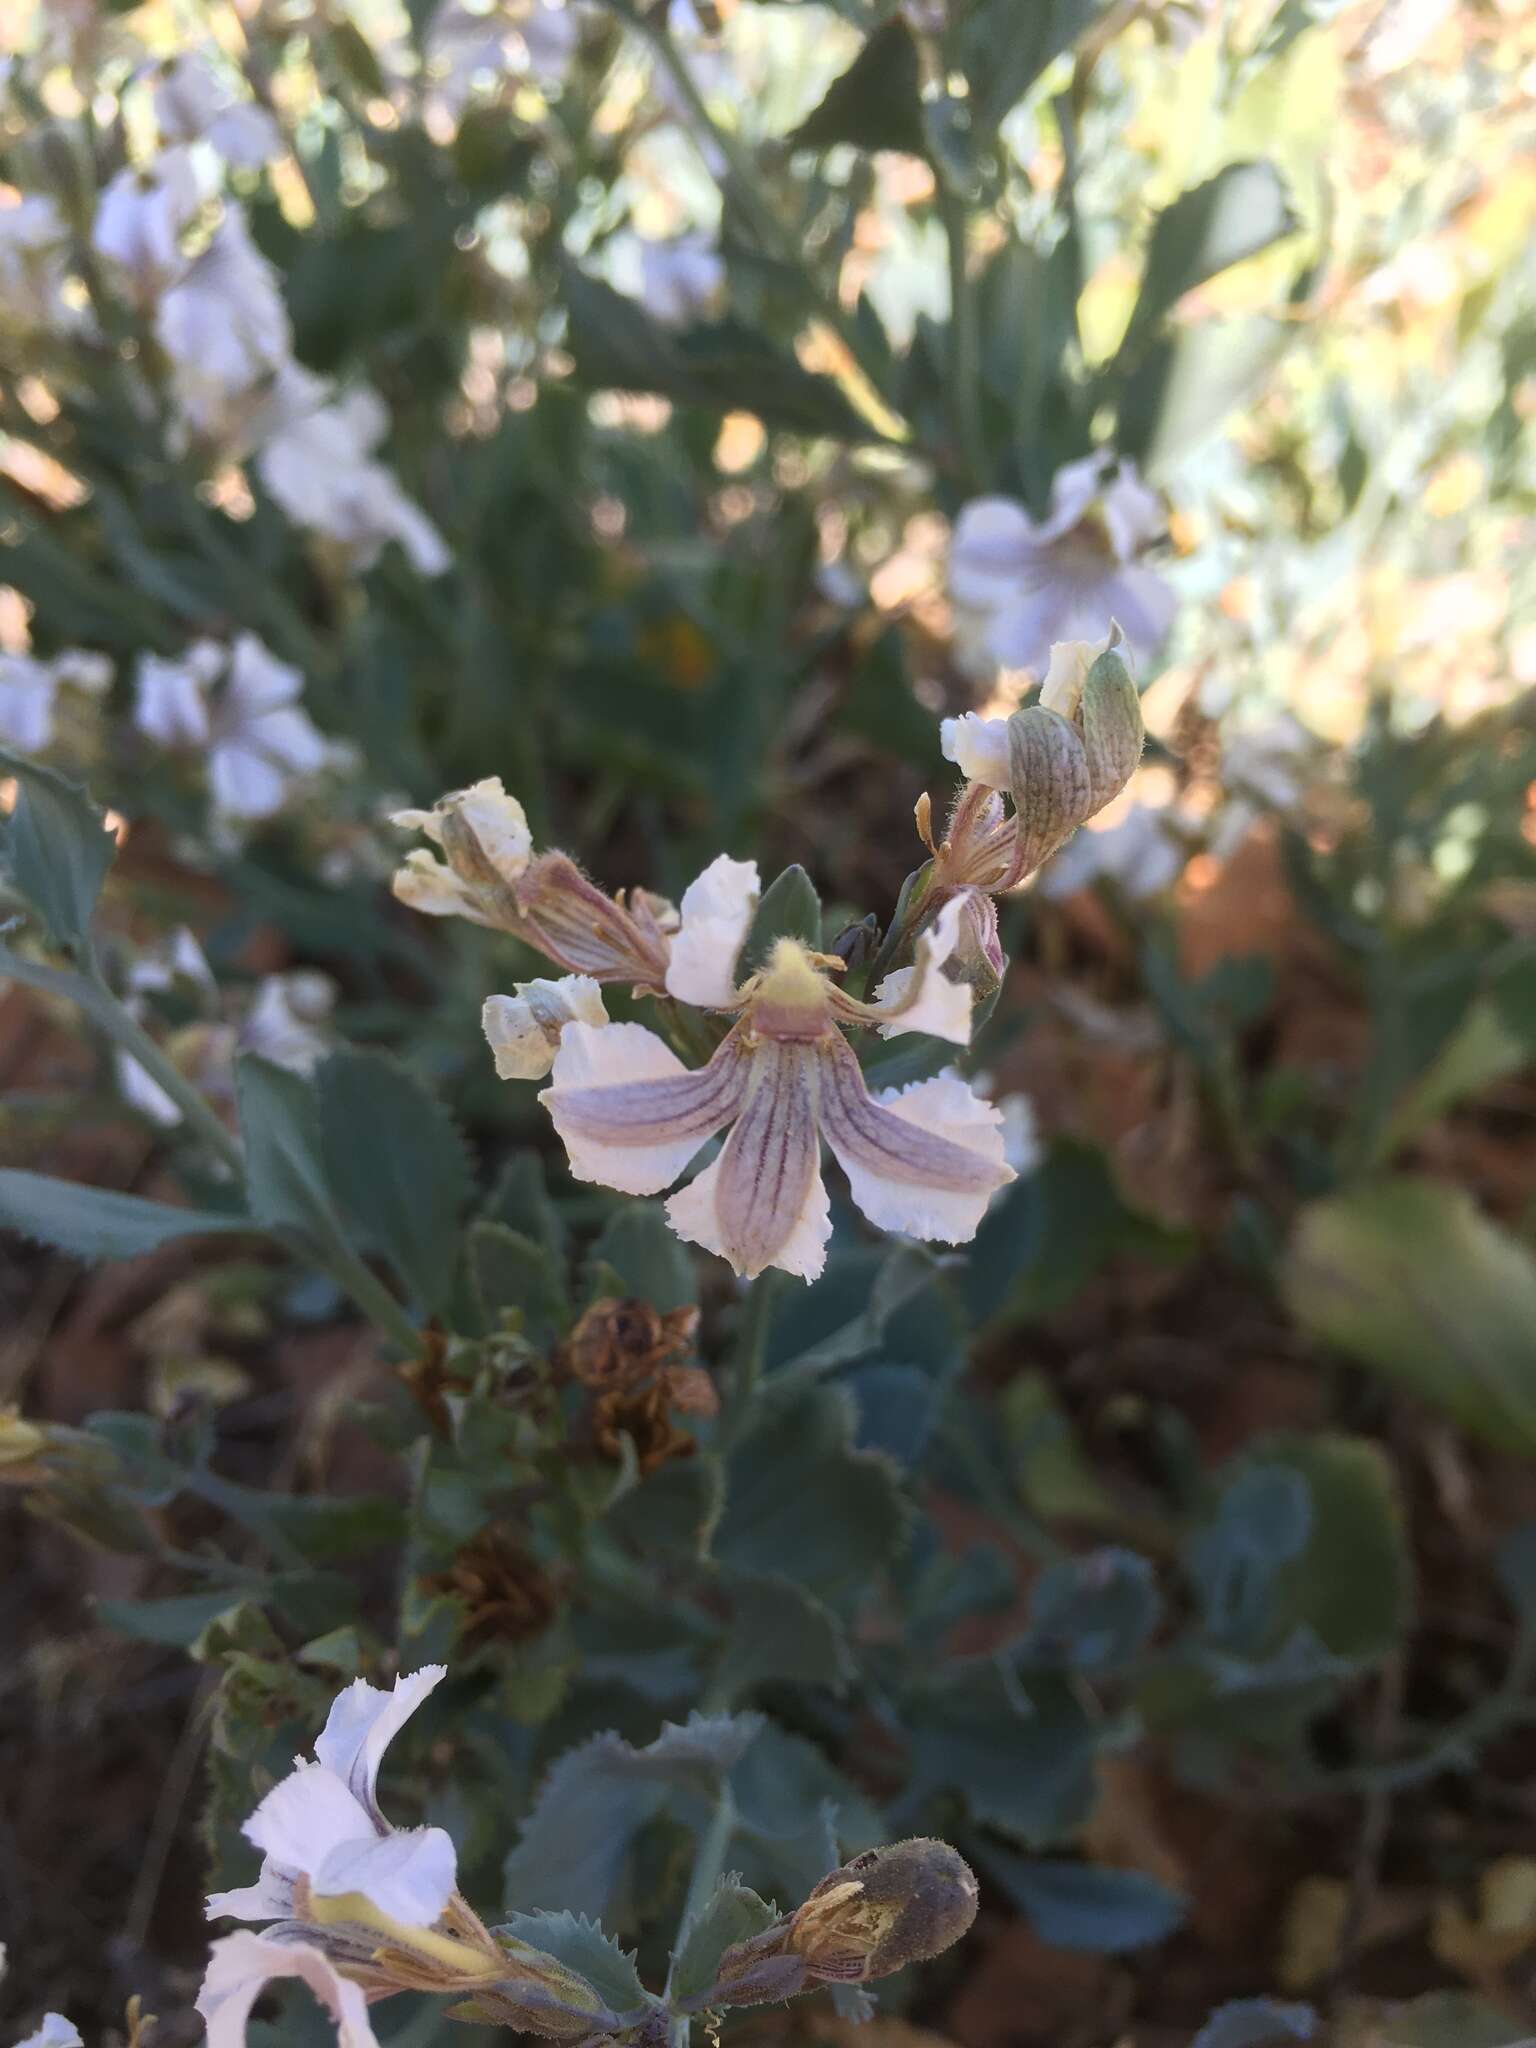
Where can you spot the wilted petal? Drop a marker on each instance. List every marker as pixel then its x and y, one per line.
pixel 924 1160
pixel 978 747
pixel 239 1969
pixel 305 1816
pixel 497 821
pixel 922 997
pixel 524 1030
pixel 428 885
pixel 408 1875
pixel 364 1720
pixel 762 1203
pixel 630 1113
pixel 716 911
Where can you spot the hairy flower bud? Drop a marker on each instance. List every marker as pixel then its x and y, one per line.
pixel 484 834
pixel 1074 751
pixel 887 1908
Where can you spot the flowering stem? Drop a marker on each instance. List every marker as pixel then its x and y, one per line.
pixel 751 1343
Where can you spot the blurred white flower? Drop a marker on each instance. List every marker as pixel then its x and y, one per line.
pixel 257 739
pixel 523 1030
pixel 29 690
pixel 1143 855
pixel 193 104
pixel 1067 576
pixel 204 1048
pixel 317 463
pixel 55 2032
pixel 141 217
pixel 469 48
pixel 34 267
pixel 224 325
pixel 681 280
pixel 289 1017
pixel 1022 1146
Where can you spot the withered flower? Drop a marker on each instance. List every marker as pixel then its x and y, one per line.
pixel 507 1594
pixel 888 1907
pixel 617 1343
pixel 644 1414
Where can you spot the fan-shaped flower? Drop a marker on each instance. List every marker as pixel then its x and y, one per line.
pixel 925 1159
pixel 524 1030
pixel 1064 577
pixel 141 217
pixel 257 737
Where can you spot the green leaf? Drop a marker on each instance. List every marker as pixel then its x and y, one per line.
pixel 876 103
pixel 674 1511
pixel 730 1914
pixel 779 1633
pixel 1004 45
pixel 1408 1278
pixel 510 1271
pixel 801 1503
pixel 726 367
pixel 1259 2023
pixel 56 850
pixel 1187 382
pixel 789 908
pixel 577 1841
pixel 1237 213
pixel 99 1223
pixel 647 1255
pixel 1022 1755
pixel 395 1163
pixel 582 1946
pixel 280 1126
pixel 1483 1049
pixel 1451 2019
pixel 1078 1906
pixel 176 1621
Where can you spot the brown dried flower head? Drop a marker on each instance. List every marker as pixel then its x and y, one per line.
pixel 617 1343
pixel 507 1595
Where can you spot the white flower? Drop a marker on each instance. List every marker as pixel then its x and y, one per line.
pixel 468 46
pixel 178 959
pixel 716 914
pixel 1068 576
pixel 257 739
pixel 224 325
pixel 241 1965
pixel 29 690
pixel 979 747
pixel 322 1822
pixel 318 466
pixel 286 1022
pixel 925 1160
pixel 680 280
pixel 141 218
pixel 34 266
pixel 192 104
pixel 524 1031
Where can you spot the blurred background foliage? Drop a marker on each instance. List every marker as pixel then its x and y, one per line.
pixel 1168 1552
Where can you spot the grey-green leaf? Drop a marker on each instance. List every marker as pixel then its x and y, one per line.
pixel 99 1223
pixel 56 849
pixel 280 1126
pixel 1237 213
pixel 730 1914
pixel 581 1945
pixel 395 1164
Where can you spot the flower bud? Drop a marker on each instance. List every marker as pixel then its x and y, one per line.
pixel 568 917
pixel 524 1030
pixel 1074 751
pixel 887 1908
pixel 484 833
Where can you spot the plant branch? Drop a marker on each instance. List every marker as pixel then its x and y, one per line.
pixel 112 1014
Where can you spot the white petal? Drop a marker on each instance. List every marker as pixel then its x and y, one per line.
pixel 55 2032
pixel 1073 489
pixel 693 1214
pixel 499 823
pixel 925 1160
pixel 305 1816
pixel 716 912
pixel 978 747
pixel 990 550
pixel 432 887
pixel 622 1132
pixel 364 1720
pixel 1062 689
pixel 1022 632
pixel 241 1965
pixel 269 1898
pixel 923 997
pixel 1133 513
pixel 524 1030
pixel 258 681
pixel 170 702
pixel 244 782
pixel 408 1875
pixel 246 136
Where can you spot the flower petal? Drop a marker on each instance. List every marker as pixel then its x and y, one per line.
pixel 1066 673
pixel 1021 633
pixel 428 885
pixel 761 1203
pixel 1142 605
pixel 922 997
pixel 630 1113
pixel 523 1031
pixel 716 911
pixel 269 1898
pixel 925 1160
pixel 55 2032
pixel 305 1816
pixel 364 1720
pixel 408 1875
pixel 992 541
pixel 978 747
pixel 241 1965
